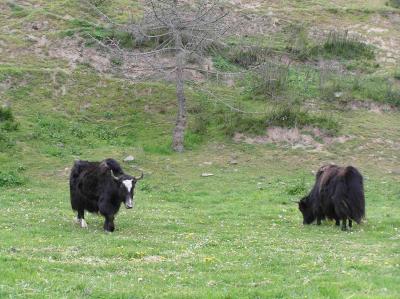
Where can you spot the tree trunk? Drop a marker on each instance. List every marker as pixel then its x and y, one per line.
pixel 180 126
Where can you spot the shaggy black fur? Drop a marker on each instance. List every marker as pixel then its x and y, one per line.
pixel 338 194
pixel 98 187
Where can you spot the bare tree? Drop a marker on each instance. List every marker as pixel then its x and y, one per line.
pixel 186 29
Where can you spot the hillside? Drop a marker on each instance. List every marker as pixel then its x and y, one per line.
pixel 237 233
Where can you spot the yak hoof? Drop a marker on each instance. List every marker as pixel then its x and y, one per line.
pixel 83 223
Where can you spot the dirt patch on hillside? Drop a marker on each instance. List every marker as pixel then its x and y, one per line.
pixel 74 51
pixel 126 64
pixel 307 138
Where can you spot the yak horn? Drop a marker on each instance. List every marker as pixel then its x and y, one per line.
pixel 113 176
pixel 139 178
pixel 296 201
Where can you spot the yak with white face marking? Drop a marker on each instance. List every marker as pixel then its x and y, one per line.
pixel 101 187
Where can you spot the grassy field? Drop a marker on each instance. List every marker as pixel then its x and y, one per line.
pixel 236 234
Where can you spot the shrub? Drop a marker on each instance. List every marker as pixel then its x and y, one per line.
pixel 342 45
pixel 200 118
pixel 335 86
pixel 270 79
pixel 87 29
pixel 392 96
pixel 5 142
pixel 192 140
pixel 246 56
pixel 394 3
pixel 6 115
pixel 10 179
pixel 282 115
pixel 231 122
pixel 286 115
pixel 298 188
pixel 299 43
pixel 222 64
pixel 7 124
pixel 17 10
pixel 396 74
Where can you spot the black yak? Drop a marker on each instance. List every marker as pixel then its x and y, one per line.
pixel 100 187
pixel 338 194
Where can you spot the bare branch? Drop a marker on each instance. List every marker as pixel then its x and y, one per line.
pixel 180 28
pixel 212 96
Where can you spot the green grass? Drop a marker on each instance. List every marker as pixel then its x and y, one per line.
pixel 236 234
pixel 199 237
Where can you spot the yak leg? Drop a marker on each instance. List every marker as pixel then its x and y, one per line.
pixel 337 222
pixel 344 227
pixel 350 223
pixel 318 220
pixel 109 223
pixel 81 219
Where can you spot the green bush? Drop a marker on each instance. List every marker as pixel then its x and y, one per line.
pixel 7 124
pixel 299 44
pixel 286 115
pixel 6 142
pixel 282 115
pixel 87 29
pixel 298 188
pixel 342 45
pixel 231 122
pixel 6 115
pixel 17 10
pixel 376 88
pixel 246 56
pixel 10 179
pixel 192 140
pixel 222 64
pixel 270 79
pixel 396 74
pixel 394 3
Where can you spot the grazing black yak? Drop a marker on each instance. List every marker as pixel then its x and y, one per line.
pixel 338 194
pixel 100 187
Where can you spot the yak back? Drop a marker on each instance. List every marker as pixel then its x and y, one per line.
pixel 339 192
pixel 322 178
pixel 93 178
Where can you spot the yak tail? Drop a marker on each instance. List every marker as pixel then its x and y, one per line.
pixel 76 170
pixel 355 193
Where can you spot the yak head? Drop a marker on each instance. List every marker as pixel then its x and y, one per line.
pixel 306 209
pixel 126 188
